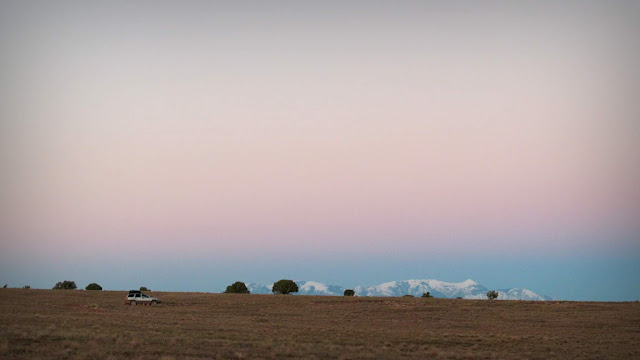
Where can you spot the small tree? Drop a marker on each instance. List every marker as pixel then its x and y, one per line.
pixel 93 286
pixel 427 295
pixel 65 285
pixel 27 287
pixel 349 292
pixel 237 287
pixel 144 288
pixel 492 295
pixel 284 287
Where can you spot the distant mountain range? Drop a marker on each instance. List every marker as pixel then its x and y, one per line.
pixel 467 289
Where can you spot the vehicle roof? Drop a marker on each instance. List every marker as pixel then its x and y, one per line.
pixel 134 291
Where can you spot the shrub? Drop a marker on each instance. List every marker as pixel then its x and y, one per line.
pixel 408 295
pixel 27 287
pixel 5 286
pixel 349 292
pixel 237 287
pixel 492 295
pixel 284 287
pixel 65 285
pixel 93 286
pixel 459 298
pixel 144 288
pixel 427 295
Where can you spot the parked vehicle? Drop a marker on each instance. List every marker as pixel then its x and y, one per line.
pixel 136 297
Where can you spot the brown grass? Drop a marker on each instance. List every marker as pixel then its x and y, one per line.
pixel 64 324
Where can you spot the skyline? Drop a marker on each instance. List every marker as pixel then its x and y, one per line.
pixel 357 143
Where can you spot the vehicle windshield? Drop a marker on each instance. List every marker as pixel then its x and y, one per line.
pixel 144 296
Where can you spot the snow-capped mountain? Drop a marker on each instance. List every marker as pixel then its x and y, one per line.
pixel 317 288
pixel 255 288
pixel 467 289
pixel 521 294
pixel 304 288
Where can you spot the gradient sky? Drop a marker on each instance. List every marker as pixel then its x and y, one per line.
pixel 186 145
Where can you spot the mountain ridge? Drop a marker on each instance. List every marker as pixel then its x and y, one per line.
pixel 468 289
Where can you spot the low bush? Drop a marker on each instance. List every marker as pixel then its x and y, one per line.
pixel 492 295
pixel 427 295
pixel 284 287
pixel 144 288
pixel 65 285
pixel 349 292
pixel 93 286
pixel 237 287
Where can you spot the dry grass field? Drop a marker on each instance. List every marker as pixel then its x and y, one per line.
pixel 60 324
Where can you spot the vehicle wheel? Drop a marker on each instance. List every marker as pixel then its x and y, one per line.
pixel 154 302
pixel 133 303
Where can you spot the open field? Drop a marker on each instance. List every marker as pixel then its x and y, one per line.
pixel 85 324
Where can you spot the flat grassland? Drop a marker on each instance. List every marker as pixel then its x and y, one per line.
pixel 96 324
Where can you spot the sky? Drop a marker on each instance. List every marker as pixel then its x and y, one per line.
pixel 186 145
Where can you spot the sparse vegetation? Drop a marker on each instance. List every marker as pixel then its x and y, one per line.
pixel 93 286
pixel 459 298
pixel 349 292
pixel 408 295
pixel 48 324
pixel 237 287
pixel 427 295
pixel 492 295
pixel 65 285
pixel 285 287
pixel 144 288
pixel 27 287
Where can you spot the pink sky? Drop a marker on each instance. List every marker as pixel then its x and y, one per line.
pixel 390 130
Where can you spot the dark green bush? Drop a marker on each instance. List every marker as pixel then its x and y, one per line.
pixel 65 285
pixel 408 295
pixel 237 287
pixel 492 295
pixel 27 287
pixel 284 287
pixel 144 288
pixel 349 292
pixel 427 295
pixel 93 286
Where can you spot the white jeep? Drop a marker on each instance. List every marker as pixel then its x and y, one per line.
pixel 136 297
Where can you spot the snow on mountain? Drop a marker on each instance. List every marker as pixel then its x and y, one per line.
pixel 521 294
pixel 255 288
pixel 318 288
pixel 304 288
pixel 467 289
pixel 437 288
